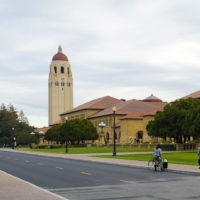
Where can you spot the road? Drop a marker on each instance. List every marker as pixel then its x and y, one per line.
pixel 89 180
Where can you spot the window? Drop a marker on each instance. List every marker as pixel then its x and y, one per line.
pixel 55 69
pixel 56 83
pixel 82 116
pixel 62 69
pixel 68 71
pixel 62 84
pixel 68 84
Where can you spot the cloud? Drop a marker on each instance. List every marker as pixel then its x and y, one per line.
pixel 127 49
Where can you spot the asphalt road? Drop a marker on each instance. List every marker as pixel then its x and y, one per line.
pixel 89 180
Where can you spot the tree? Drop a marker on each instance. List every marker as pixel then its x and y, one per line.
pixel 178 119
pixel 73 130
pixel 56 133
pixel 8 120
pixel 11 122
pixel 22 117
pixel 24 138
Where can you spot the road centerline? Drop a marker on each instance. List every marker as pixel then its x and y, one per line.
pixel 86 173
pixel 130 182
pixel 60 168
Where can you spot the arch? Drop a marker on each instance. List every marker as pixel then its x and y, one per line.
pixel 119 136
pixel 62 70
pixel 139 136
pixel 62 84
pixel 68 71
pixel 55 69
pixel 107 138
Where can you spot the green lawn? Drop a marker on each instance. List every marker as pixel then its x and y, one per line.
pixel 82 150
pixel 187 158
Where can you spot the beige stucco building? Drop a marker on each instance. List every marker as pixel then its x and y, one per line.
pixel 132 116
pixel 60 86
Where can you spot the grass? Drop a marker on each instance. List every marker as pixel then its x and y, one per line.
pixel 187 158
pixel 85 150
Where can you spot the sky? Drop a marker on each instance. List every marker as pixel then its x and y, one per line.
pixel 126 49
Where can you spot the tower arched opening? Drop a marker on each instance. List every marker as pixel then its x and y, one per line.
pixel 62 70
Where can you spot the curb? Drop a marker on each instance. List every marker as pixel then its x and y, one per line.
pixel 141 167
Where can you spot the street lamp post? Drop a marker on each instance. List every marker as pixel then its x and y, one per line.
pixel 66 118
pixel 14 139
pixel 101 125
pixel 14 142
pixel 114 134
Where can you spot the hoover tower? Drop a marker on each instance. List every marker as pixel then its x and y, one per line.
pixel 60 86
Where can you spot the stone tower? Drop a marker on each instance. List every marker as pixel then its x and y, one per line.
pixel 60 86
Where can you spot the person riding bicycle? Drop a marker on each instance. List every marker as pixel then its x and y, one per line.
pixel 157 153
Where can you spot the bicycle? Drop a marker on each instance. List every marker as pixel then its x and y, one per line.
pixel 157 164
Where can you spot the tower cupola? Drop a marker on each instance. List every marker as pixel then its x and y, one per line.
pixel 60 55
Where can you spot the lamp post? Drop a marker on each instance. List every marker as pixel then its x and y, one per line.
pixel 14 142
pixel 14 139
pixel 101 125
pixel 66 118
pixel 114 134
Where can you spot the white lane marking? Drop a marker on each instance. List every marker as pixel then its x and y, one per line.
pixel 35 186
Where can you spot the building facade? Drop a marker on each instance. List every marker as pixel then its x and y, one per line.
pixel 60 86
pixel 131 118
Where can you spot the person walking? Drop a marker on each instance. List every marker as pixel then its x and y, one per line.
pixel 157 156
pixel 199 156
pixel 157 152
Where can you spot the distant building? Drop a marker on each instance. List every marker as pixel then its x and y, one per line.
pixel 60 86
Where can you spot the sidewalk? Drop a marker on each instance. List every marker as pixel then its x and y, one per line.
pixel 13 188
pixel 22 190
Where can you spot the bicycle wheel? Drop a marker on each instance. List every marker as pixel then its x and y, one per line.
pixel 150 163
pixel 155 167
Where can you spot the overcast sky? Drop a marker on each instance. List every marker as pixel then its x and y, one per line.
pixel 122 48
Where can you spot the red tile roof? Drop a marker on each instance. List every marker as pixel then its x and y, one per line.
pixel 195 95
pixel 132 116
pixel 153 112
pixel 141 115
pixel 132 106
pixel 96 104
pixel 42 130
pixel 55 123
pixel 60 56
